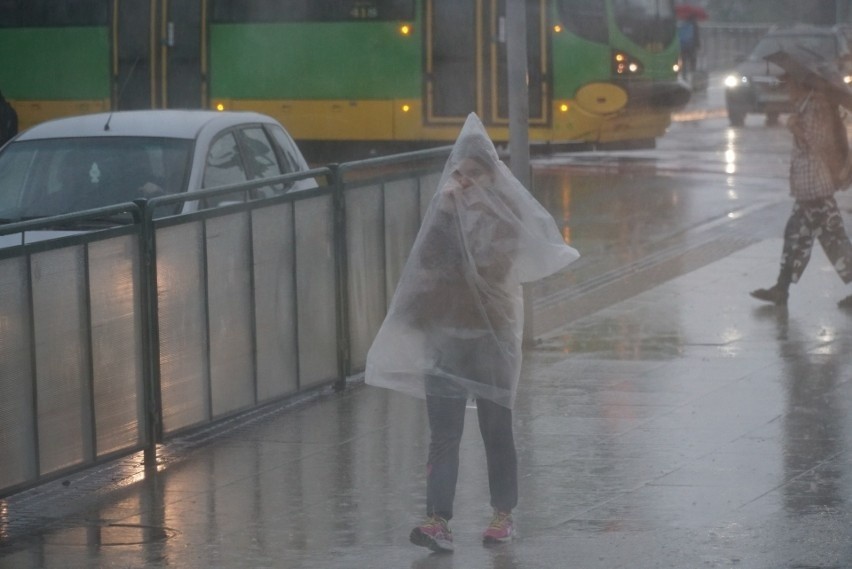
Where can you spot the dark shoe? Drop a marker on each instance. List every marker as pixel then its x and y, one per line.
pixel 845 303
pixel 774 295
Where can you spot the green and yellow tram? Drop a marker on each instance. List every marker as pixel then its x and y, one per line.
pixel 350 70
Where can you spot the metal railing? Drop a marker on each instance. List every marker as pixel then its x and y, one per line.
pixel 112 340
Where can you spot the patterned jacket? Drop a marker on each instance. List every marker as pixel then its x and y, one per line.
pixel 817 154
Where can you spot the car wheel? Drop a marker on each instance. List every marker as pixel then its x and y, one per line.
pixel 736 116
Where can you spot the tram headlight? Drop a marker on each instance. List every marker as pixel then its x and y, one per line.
pixel 623 64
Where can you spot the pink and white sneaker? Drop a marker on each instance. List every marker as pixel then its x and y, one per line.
pixel 500 530
pixel 434 534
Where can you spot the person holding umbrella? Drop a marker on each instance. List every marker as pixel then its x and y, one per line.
pixel 818 168
pixel 689 36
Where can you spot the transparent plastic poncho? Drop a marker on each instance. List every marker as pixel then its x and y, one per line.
pixel 454 326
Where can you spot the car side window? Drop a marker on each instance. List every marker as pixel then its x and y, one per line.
pixel 291 158
pixel 260 155
pixel 223 167
pixel 261 160
pixel 13 181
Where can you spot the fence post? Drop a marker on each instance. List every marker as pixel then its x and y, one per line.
pixel 341 277
pixel 150 336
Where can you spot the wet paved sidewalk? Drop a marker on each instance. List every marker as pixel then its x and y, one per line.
pixel 688 426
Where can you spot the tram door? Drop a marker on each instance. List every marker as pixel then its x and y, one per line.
pixel 465 64
pixel 157 47
pixel 182 83
pixel 131 69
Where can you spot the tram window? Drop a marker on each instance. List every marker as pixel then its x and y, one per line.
pixel 53 13
pixel 586 19
pixel 240 11
pixel 224 167
pixel 9 13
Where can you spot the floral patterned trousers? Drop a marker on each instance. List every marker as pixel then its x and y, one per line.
pixel 815 219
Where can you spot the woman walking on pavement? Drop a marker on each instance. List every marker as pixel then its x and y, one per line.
pixel 819 153
pixel 454 327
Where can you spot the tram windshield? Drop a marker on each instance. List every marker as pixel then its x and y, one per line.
pixel 585 19
pixel 649 23
pixel 646 22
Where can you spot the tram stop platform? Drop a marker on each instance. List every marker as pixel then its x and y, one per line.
pixel 685 426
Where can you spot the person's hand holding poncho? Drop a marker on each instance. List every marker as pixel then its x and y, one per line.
pixel 454 327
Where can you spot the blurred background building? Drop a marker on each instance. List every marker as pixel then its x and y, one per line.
pixel 821 12
pixel 734 27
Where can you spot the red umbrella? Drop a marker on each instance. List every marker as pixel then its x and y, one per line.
pixel 690 11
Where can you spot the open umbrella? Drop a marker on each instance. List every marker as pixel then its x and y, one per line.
pixel 806 67
pixel 690 11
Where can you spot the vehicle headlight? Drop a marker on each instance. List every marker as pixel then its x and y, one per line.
pixel 734 81
pixel 847 79
pixel 624 64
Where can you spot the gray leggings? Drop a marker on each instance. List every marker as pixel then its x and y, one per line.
pixel 446 423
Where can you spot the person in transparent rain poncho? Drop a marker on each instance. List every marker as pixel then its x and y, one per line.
pixel 454 328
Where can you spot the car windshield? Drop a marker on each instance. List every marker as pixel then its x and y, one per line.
pixel 824 45
pixel 49 177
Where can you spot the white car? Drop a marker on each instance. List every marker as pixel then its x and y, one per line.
pixel 85 162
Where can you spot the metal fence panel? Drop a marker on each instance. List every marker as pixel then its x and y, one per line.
pixel 402 214
pixel 17 408
pixel 315 290
pixel 366 263
pixel 229 322
pixel 231 309
pixel 116 343
pixel 428 189
pixel 182 314
pixel 275 301
pixel 61 358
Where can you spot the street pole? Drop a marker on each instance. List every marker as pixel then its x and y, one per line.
pixel 519 117
pixel 842 16
pixel 519 105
